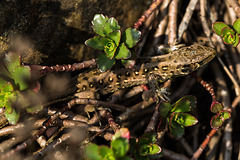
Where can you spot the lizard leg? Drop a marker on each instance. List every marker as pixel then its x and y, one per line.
pixel 155 90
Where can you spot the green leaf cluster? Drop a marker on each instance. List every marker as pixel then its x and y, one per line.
pixel 118 149
pixel 220 116
pixel 14 79
pixel 110 41
pixel 229 33
pixel 176 115
pixel 146 147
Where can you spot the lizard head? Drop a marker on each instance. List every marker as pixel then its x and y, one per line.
pixel 187 59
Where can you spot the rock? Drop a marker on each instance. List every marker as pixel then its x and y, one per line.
pixel 54 32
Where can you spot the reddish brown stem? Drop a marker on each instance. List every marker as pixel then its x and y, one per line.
pixel 197 154
pixel 147 13
pixel 65 67
pixel 208 87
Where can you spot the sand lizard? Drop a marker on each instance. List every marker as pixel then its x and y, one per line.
pixel 177 63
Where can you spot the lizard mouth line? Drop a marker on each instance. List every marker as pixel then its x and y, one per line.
pixel 206 60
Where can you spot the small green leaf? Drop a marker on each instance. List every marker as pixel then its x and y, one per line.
pixel 115 36
pixel 120 147
pixel 228 35
pixel 2 100
pixel 225 114
pixel 106 153
pixel 149 149
pixel 22 76
pixel 185 104
pixel 218 26
pixel 219 118
pixel 236 25
pixel 95 43
pixel 12 61
pixel 188 119
pixel 111 25
pixel 165 108
pixel 137 156
pixel 216 122
pixel 131 37
pixel 11 114
pixel 4 71
pixel 122 52
pixel 2 82
pixel 7 87
pixel 129 63
pixel 216 107
pixel 104 63
pixel 147 138
pixel 177 131
pixel 12 117
pixel 236 41
pixel 98 22
pixel 91 152
pixel 109 47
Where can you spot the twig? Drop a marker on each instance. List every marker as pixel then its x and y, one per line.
pixel 147 13
pixel 111 120
pixel 65 68
pixel 234 5
pixel 186 146
pixel 10 129
pixel 99 103
pixel 94 136
pixel 208 87
pixel 10 143
pixel 172 24
pixel 237 88
pixel 225 94
pixel 138 107
pixel 203 5
pixel 197 154
pixel 186 18
pixel 136 90
pixel 53 145
pixel 161 28
pixel 153 122
pixel 172 155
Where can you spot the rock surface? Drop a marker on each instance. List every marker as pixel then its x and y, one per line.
pixel 53 32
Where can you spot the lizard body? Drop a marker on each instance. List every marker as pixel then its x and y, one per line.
pixel 174 64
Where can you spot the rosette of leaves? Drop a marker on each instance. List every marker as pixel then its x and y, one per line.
pixel 117 150
pixel 14 79
pixel 229 33
pixel 176 115
pixel 110 40
pixel 146 147
pixel 221 115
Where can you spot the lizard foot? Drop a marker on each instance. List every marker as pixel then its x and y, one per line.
pixel 158 94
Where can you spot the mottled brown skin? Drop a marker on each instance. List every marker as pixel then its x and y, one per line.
pixel 177 63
